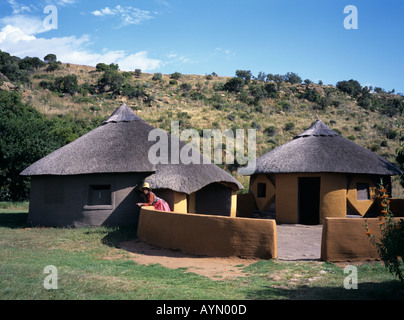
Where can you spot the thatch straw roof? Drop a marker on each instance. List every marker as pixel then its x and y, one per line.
pixel 320 149
pixel 120 144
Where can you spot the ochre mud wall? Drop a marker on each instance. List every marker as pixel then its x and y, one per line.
pixel 345 239
pixel 209 235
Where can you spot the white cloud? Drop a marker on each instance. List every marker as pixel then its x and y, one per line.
pixel 18 8
pixel 128 15
pixel 18 42
pixel 139 60
pixel 29 25
pixel 65 2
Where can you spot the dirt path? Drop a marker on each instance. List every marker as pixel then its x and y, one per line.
pixel 295 243
pixel 213 268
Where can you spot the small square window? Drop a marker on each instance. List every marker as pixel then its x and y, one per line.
pixel 99 195
pixel 261 190
pixel 363 192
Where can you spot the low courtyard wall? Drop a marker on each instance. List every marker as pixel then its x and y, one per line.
pixel 345 239
pixel 208 235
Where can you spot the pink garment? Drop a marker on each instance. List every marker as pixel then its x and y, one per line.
pixel 161 205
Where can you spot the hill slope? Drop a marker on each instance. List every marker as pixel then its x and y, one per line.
pixel 277 109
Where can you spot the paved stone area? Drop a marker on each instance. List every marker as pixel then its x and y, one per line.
pixel 299 242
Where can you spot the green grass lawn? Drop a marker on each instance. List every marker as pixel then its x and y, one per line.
pixel 91 266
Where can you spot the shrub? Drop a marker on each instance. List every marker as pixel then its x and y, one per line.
pixel 244 74
pixel 157 77
pixel 66 84
pixel 185 87
pixel 234 85
pixel 351 87
pixel 137 73
pixel 132 91
pixel 289 126
pixel 175 75
pixel 270 88
pixel 50 58
pixel 270 131
pixel 53 65
pixel 113 79
pixel 391 245
pixel 292 78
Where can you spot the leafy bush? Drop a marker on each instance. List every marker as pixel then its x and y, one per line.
pixel 137 73
pixel 67 84
pixel 50 58
pixel 391 245
pixel 102 67
pixel 234 85
pixel 23 140
pixel 133 91
pixel 293 78
pixel 157 77
pixel 53 65
pixel 351 87
pixel 270 131
pixel 185 87
pixel 246 75
pixel 289 126
pixel 113 79
pixel 175 75
pixel 270 88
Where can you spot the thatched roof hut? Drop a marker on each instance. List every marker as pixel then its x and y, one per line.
pixel 94 179
pixel 316 175
pixel 120 145
pixel 320 149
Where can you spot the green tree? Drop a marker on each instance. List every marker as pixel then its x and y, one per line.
pixel 246 75
pixel 66 84
pixel 30 64
pixel 351 87
pixel 270 88
pixel 24 139
pixel 50 58
pixel 113 79
pixel 234 85
pixel 101 67
pixel 138 73
pixel 175 75
pixel 293 78
pixel 157 77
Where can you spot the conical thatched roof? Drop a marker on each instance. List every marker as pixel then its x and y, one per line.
pixel 320 149
pixel 120 144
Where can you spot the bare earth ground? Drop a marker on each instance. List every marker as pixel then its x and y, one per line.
pixel 295 242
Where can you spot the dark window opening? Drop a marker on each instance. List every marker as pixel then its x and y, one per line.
pixel 99 195
pixel 261 190
pixel 363 192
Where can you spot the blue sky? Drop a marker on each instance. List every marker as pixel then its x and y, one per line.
pixel 200 37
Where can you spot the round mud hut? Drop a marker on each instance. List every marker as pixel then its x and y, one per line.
pixel 95 180
pixel 316 175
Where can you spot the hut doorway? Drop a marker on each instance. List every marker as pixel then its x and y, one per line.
pixel 309 200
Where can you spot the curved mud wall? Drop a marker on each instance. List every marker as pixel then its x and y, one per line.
pixel 345 239
pixel 209 235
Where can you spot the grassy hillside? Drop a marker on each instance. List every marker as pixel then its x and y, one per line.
pixel 202 102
